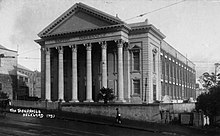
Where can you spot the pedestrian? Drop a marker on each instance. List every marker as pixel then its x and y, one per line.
pixel 118 116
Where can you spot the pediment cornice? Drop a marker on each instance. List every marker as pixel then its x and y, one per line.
pixel 75 8
pixel 112 28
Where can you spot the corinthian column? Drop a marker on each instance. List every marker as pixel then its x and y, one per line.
pixel 74 74
pixel 104 64
pixel 120 72
pixel 47 70
pixel 89 73
pixel 60 72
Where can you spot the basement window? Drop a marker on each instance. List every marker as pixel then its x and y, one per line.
pixel 136 84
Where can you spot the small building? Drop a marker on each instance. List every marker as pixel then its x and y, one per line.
pixel 86 49
pixel 28 83
pixel 8 71
pixel 23 86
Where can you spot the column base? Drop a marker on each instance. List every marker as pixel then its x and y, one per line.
pixel 74 100
pixel 120 101
pixel 46 100
pixel 60 100
pixel 101 101
pixel 128 100
pixel 90 100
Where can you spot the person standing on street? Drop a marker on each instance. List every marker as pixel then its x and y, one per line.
pixel 118 116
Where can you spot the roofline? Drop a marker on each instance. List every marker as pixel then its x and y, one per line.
pixel 71 10
pixel 118 20
pixel 9 50
pixel 150 26
pixel 157 31
pixel 24 68
pixel 180 53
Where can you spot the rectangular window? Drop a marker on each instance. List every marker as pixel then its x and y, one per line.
pixel 136 60
pixel 163 67
pixel 154 92
pixel 136 84
pixel 154 62
pixel 167 69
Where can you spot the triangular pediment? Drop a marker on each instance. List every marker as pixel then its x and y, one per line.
pixel 79 17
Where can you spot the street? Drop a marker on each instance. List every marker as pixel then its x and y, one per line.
pixel 17 125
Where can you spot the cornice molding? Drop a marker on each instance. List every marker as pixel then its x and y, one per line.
pixel 122 27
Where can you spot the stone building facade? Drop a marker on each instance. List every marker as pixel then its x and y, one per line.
pixel 8 71
pixel 86 49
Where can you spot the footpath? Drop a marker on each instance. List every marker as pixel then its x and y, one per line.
pixel 166 129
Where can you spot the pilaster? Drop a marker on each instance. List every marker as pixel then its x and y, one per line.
pixel 127 73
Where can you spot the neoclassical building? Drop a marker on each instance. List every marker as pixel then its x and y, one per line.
pixel 86 49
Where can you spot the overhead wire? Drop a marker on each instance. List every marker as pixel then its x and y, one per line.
pixel 141 15
pixel 28 51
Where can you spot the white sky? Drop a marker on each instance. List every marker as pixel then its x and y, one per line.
pixel 192 27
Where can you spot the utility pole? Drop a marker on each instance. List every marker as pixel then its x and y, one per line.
pixel 216 66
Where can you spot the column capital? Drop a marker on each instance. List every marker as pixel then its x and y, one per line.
pixel 154 50
pixel 60 49
pixel 103 44
pixel 73 47
pixel 47 50
pixel 120 43
pixel 88 46
pixel 42 49
pixel 127 46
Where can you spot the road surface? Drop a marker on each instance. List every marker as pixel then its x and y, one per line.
pixel 17 125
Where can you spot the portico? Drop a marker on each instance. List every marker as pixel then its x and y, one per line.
pixel 82 51
pixel 92 69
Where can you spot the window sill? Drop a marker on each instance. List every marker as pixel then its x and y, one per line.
pixel 136 71
pixel 135 95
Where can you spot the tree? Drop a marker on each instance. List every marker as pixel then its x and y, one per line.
pixel 209 103
pixel 4 101
pixel 106 94
pixel 209 80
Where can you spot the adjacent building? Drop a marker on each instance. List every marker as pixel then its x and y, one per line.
pixel 28 83
pixel 37 84
pixel 8 71
pixel 86 49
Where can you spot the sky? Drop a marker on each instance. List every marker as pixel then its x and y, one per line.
pixel 191 26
